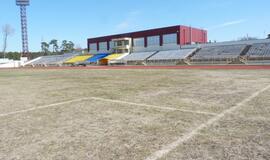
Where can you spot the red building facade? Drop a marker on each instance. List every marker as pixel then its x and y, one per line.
pixel 183 35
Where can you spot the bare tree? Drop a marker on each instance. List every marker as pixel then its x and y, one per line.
pixel 7 31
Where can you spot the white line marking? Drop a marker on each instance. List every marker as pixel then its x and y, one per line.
pixel 102 99
pixel 42 107
pixel 151 106
pixel 168 148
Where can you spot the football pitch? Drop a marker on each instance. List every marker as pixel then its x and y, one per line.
pixel 134 114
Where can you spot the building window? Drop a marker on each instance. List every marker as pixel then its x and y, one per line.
pixel 126 42
pixel 122 43
pixel 153 41
pixel 103 46
pixel 138 42
pixel 118 43
pixel 93 46
pixel 111 44
pixel 170 38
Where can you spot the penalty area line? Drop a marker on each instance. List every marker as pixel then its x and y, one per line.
pixel 170 147
pixel 152 106
pixel 42 107
pixel 104 100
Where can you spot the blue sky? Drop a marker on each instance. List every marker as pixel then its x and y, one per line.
pixel 81 19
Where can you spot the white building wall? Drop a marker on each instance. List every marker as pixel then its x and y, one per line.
pixel 10 63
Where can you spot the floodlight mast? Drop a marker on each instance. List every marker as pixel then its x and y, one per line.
pixel 23 4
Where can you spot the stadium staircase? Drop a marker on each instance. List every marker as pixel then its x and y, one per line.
pixel 170 57
pixel 138 58
pixel 29 63
pixel 187 59
pixel 242 58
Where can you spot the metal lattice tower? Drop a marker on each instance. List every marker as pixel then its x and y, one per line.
pixel 23 4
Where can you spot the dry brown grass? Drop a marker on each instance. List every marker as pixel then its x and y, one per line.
pixel 93 129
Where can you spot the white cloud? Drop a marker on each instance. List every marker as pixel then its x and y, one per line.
pixel 227 24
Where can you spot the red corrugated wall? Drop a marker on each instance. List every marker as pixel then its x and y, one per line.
pixel 198 35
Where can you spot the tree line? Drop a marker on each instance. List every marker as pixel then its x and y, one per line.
pixel 17 55
pixel 65 47
pixel 47 48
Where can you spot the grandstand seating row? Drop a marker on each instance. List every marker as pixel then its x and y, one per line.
pixel 73 59
pixel 220 53
pixel 78 59
pixel 259 50
pixel 53 60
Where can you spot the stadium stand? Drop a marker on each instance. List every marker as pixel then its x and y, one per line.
pixel 138 58
pixel 232 52
pixel 77 59
pixel 258 54
pixel 171 57
pixel 95 58
pixel 106 60
pixel 55 60
pixel 219 54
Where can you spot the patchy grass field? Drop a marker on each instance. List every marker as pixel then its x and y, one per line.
pixel 134 114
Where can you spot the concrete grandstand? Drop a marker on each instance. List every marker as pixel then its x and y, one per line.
pixel 54 60
pixel 227 53
pixel 176 45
